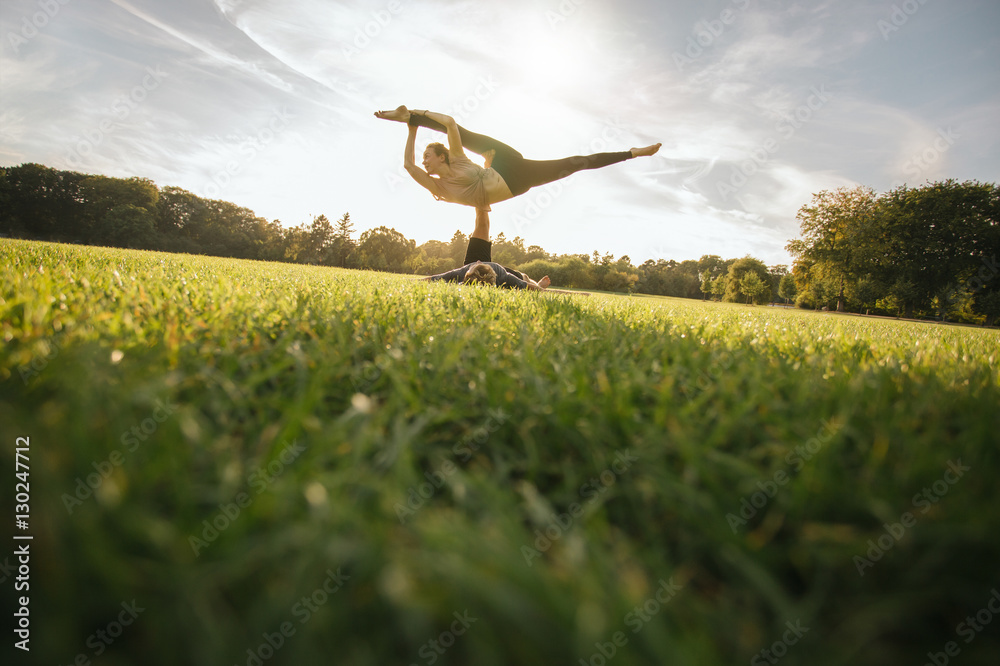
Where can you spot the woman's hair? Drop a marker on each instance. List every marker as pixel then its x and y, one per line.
pixel 439 150
pixel 481 274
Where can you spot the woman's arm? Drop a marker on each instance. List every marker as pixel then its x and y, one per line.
pixel 408 152
pixel 411 167
pixel 454 137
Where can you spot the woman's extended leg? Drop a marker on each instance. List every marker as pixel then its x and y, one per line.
pixel 522 175
pixel 477 143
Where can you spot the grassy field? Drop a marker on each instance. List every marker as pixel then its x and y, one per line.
pixel 248 463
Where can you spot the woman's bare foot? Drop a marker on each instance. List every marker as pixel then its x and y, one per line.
pixel 400 114
pixel 544 282
pixel 647 151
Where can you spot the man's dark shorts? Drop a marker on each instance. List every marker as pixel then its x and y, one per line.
pixel 478 250
pixel 482 250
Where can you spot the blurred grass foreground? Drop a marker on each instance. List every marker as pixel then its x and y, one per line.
pixel 235 462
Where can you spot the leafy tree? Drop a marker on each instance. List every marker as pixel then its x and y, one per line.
pixel 705 282
pixel 343 246
pixel 864 293
pixel 618 281
pixel 459 244
pixel 734 280
pixel 565 271
pixel 578 272
pixel 654 277
pixel 508 253
pixel 935 235
pixel 786 288
pixel 556 271
pixel 535 252
pixel 315 241
pixel 719 287
pixel 909 250
pixel 43 203
pixel 712 263
pixel 775 274
pixel 830 227
pixel 899 298
pixel 385 249
pixel 180 214
pixel 753 286
pixel 128 225
pixel 988 303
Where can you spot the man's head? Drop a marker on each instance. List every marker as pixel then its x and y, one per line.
pixel 481 274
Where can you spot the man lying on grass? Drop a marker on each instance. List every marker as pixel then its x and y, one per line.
pixel 480 268
pixel 492 273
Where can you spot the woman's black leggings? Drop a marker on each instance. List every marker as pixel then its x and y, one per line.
pixel 519 173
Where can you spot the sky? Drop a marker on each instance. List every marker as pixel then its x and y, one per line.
pixel 269 104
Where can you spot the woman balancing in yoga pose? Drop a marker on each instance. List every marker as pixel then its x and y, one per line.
pixel 451 176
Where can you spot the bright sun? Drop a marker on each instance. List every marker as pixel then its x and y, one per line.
pixel 547 73
pixel 547 61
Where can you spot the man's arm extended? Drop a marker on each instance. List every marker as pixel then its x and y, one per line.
pixel 454 275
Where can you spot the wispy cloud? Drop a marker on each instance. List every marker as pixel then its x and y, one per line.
pixel 224 58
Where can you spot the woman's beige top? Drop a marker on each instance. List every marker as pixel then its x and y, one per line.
pixel 472 185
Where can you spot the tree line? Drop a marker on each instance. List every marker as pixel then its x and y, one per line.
pixel 929 251
pixel 42 203
pixel 925 252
